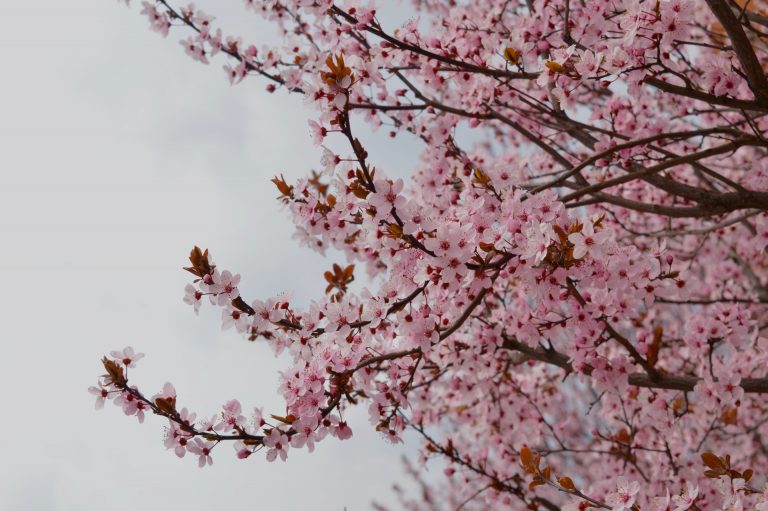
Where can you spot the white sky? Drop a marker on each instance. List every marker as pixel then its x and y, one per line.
pixel 118 154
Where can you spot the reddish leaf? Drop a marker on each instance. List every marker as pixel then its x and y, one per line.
pixel 199 259
pixel 240 305
pixel 566 483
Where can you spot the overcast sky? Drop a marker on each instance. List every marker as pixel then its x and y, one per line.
pixel 117 155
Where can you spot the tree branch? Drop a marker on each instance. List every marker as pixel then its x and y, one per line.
pixel 743 49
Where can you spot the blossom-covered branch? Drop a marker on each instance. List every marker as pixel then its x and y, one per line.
pixel 568 299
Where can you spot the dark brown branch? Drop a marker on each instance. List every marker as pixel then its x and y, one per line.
pixel 743 48
pixel 684 190
pixel 705 97
pixel 683 383
pixel 686 383
pixel 623 341
pixel 402 45
pixel 626 145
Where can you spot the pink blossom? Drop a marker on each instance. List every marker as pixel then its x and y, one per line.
pixel 226 287
pixel 231 416
pixel 586 240
pixel 277 445
pixel 202 449
pixel 318 132
pixel 159 22
pixel 687 498
pixel 763 504
pixel 305 434
pixel 194 48
pixel 625 495
pixel 662 503
pixel 127 356
pixel 131 404
pixel 539 239
pixel 236 73
pixel 572 258
pixel 192 297
pixel 729 490
pixel 102 394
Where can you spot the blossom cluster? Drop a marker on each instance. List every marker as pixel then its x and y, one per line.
pixel 567 299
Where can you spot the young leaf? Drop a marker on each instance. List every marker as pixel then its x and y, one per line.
pixel 566 483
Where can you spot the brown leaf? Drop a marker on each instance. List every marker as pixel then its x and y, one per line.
pixel 566 483
pixel 359 190
pixel 339 279
pixel 314 181
pixel 526 456
pixel 449 447
pixel 115 374
pixel 561 234
pixel 512 55
pixel 713 461
pixel 240 305
pixel 166 405
pixel 553 66
pixel 286 190
pixel 482 178
pixel 199 259
pixel 287 420
pixel 623 437
pixel 394 231
pixel 730 416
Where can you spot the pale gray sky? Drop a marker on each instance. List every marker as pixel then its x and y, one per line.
pixel 117 154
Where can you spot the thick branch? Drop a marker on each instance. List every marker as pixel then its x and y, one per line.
pixel 743 49
pixel 706 97
pixel 683 383
pixel 686 383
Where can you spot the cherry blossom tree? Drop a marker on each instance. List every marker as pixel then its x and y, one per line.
pixel 567 302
